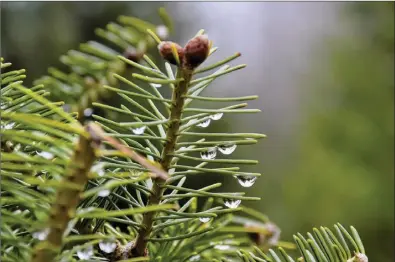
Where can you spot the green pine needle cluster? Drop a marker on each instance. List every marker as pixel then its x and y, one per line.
pixel 78 185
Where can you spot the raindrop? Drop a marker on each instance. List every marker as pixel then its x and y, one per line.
pixel 8 126
pixel 246 180
pixel 204 219
pixel 46 155
pixel 138 130
pixel 205 123
pixel 217 116
pixel 227 149
pixel 108 245
pixel 162 31
pixel 232 203
pixel 221 247
pixel 88 112
pixel 85 210
pixel 195 258
pixel 104 193
pixel 191 122
pixel 156 85
pixel 98 169
pixel 85 253
pixel 211 153
pixel 41 235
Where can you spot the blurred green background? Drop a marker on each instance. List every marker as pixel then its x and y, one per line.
pixel 325 76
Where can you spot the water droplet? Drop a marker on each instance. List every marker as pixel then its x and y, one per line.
pixel 227 149
pixel 138 130
pixel 211 153
pixel 156 85
pixel 85 210
pixel 204 219
pixel 46 155
pixel 217 116
pixel 232 203
pixel 205 123
pixel 221 247
pixel 8 126
pixel 41 235
pixel 108 245
pixel 191 122
pixel 85 252
pixel 98 169
pixel 104 193
pixel 162 31
pixel 88 112
pixel 195 258
pixel 246 180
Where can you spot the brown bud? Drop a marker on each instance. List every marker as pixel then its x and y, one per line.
pixel 165 51
pixel 196 51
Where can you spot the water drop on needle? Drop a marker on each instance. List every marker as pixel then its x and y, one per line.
pixel 138 130
pixel 41 235
pixel 195 258
pixel 162 31
pixel 108 245
pixel 246 180
pixel 98 168
pixel 156 85
pixel 85 253
pixel 232 203
pixel 211 153
pixel 217 116
pixel 46 155
pixel 221 247
pixel 88 112
pixel 227 149
pixel 104 193
pixel 204 219
pixel 205 123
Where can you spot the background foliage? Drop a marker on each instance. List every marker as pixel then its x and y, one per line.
pixel 326 161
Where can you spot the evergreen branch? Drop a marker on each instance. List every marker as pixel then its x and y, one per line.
pixel 66 201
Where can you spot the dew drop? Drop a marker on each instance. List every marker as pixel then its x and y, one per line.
pixel 246 180
pixel 232 203
pixel 138 130
pixel 227 149
pixel 108 245
pixel 156 85
pixel 211 153
pixel 204 219
pixel 221 247
pixel 88 112
pixel 217 116
pixel 8 126
pixel 46 155
pixel 41 235
pixel 85 210
pixel 162 31
pixel 104 193
pixel 85 253
pixel 205 123
pixel 195 258
pixel 98 169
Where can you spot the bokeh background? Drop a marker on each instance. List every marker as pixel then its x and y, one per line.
pixel 324 72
